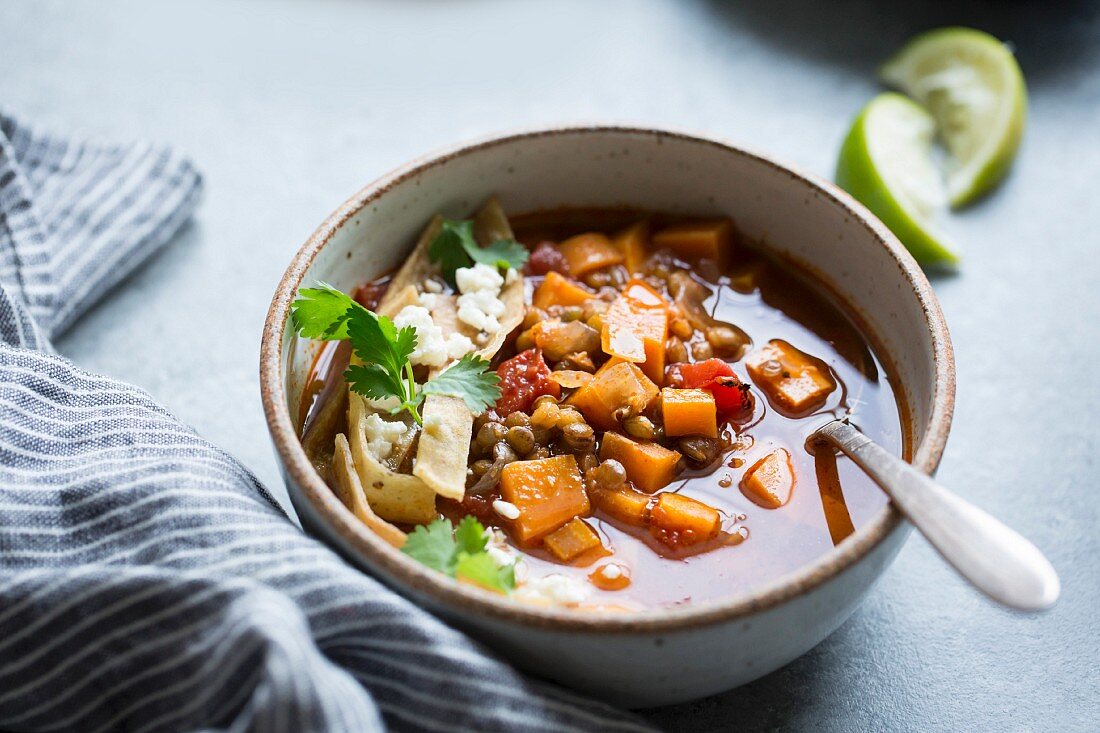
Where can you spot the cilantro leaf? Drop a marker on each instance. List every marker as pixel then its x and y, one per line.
pixel 434 546
pixel 470 379
pixel 321 313
pixel 504 253
pixel 482 570
pixel 448 249
pixel 376 340
pixel 470 535
pixel 384 352
pixel 459 553
pixel 455 247
pixel 374 382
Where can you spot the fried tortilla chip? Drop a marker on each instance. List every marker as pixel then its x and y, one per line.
pixel 350 490
pixel 444 445
pixel 395 497
pixel 442 457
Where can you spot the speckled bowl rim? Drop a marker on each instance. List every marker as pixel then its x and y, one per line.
pixel 449 594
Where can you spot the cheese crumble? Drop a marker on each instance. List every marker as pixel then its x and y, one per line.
pixel 432 348
pixel 558 589
pixel 381 435
pixel 479 304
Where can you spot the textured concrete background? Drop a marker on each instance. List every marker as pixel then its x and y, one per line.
pixel 290 106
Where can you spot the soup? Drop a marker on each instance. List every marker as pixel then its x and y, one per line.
pixel 647 384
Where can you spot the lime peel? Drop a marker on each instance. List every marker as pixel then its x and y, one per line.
pixel 972 85
pixel 885 163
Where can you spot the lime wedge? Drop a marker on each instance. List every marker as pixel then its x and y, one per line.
pixel 886 163
pixel 972 85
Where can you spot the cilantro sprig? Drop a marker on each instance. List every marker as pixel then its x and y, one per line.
pixel 455 247
pixel 460 553
pixel 326 314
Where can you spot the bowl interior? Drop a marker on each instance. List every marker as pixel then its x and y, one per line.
pixel 810 222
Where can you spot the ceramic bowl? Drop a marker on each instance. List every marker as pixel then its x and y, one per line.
pixel 658 656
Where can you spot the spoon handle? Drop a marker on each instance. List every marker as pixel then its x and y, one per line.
pixel 997 560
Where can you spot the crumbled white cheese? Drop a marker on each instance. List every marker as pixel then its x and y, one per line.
pixel 432 286
pixel 479 305
pixel 381 435
pixel 478 277
pixel 611 571
pixel 458 346
pixel 428 300
pixel 555 588
pixel 481 309
pixel 506 509
pixel 499 549
pixel 511 276
pixel 432 349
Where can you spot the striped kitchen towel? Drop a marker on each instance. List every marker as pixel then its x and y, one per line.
pixel 148 582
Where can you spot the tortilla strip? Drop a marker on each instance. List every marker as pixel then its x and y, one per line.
pixel 491 224
pixel 445 445
pixel 398 497
pixel 442 455
pixel 350 491
pixel 395 497
pixel 415 270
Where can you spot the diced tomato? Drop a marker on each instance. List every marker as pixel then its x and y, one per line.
pixel 716 376
pixel 546 258
pixel 523 379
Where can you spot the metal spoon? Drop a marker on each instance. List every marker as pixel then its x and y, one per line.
pixel 996 559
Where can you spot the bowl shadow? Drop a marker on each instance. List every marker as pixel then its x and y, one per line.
pixel 1051 40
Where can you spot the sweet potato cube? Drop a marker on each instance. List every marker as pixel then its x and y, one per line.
pixel 625 504
pixel 794 381
pixel 689 412
pixel 615 385
pixel 697 239
pixel 587 252
pixel 769 481
pixel 557 289
pixel 572 540
pixel 680 521
pixel 548 493
pixel 649 466
pixel 631 242
pixel 635 328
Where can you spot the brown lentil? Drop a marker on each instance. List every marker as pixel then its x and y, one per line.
pixel 579 437
pixel 489 435
pixel 640 427
pixel 701 351
pixel 517 419
pixel 545 399
pixel 525 340
pixel 724 340
pixel 522 439
pixel 681 328
pixel 572 313
pixel 532 316
pixel 699 450
pixel 675 351
pixel 569 415
pixel 503 453
pixel 609 475
pixel 545 415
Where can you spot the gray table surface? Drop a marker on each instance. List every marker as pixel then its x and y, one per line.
pixel 288 107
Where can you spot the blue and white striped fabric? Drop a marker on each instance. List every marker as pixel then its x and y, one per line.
pixel 147 581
